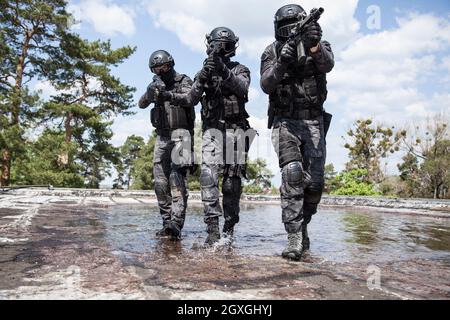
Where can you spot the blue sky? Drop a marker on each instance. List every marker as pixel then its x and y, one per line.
pixel 398 74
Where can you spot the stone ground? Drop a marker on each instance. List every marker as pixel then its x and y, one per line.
pixel 55 248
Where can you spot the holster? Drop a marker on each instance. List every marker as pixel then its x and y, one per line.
pixel 156 117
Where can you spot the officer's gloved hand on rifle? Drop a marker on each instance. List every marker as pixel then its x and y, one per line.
pixel 165 96
pixel 149 96
pixel 312 35
pixel 203 75
pixel 143 102
pixel 208 68
pixel 214 65
pixel 221 68
pixel 153 92
pixel 288 53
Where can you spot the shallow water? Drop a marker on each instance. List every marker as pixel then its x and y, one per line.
pixel 336 235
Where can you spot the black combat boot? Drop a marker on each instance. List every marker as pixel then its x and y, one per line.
pixel 213 232
pixel 294 248
pixel 164 232
pixel 228 230
pixel 175 231
pixel 305 238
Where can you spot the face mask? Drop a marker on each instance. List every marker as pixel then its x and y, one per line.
pixel 168 77
pixel 159 70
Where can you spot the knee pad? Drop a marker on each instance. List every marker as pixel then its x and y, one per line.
pixel 207 178
pixel 293 173
pixel 309 209
pixel 232 186
pixel 316 187
pixel 313 193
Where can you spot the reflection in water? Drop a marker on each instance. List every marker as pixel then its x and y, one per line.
pixel 436 238
pixel 335 235
pixel 167 247
pixel 363 228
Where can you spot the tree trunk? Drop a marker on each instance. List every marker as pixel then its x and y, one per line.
pixel 63 159
pixel 15 112
pixel 17 101
pixel 68 127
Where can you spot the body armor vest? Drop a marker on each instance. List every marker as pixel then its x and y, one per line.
pixel 302 90
pixel 167 117
pixel 221 108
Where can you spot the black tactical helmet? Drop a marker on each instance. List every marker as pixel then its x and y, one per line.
pixel 226 37
pixel 285 19
pixel 160 57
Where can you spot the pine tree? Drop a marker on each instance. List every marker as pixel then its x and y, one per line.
pixel 142 175
pixel 129 153
pixel 30 35
pixel 88 99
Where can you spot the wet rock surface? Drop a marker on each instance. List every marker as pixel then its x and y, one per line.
pixel 85 247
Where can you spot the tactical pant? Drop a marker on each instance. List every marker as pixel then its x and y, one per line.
pixel 214 163
pixel 171 186
pixel 301 149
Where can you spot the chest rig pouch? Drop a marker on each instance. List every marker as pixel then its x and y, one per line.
pixel 221 108
pixel 303 87
pixel 168 116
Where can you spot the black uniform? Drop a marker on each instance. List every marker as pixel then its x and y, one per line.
pixel 171 176
pixel 223 108
pixel 296 96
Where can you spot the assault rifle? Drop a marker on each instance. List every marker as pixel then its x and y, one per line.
pixel 296 33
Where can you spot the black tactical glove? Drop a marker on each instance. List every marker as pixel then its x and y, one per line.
pixel 288 53
pixel 152 92
pixel 143 102
pixel 221 68
pixel 312 35
pixel 203 75
pixel 165 96
pixel 210 64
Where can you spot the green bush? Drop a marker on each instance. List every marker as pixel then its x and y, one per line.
pixel 194 185
pixel 252 188
pixel 352 183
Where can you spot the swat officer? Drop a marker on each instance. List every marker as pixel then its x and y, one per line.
pixel 222 87
pixel 297 91
pixel 173 122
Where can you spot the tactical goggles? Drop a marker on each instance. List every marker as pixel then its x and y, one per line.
pixel 224 47
pixel 161 68
pixel 286 27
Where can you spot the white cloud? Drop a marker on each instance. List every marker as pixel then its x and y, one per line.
pixel 105 16
pixel 138 125
pixel 252 20
pixel 382 75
